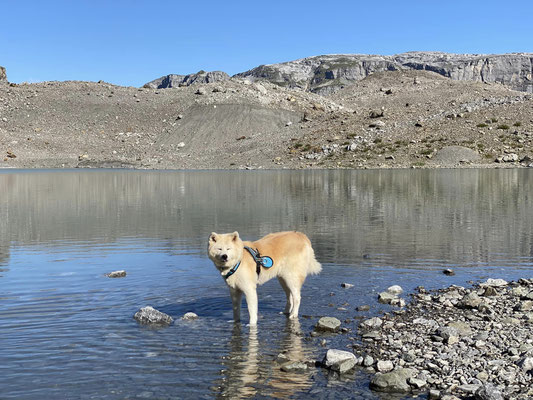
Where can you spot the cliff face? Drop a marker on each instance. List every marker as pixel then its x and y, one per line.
pixel 3 76
pixel 174 80
pixel 327 74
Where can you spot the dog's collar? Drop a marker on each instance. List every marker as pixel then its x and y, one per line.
pixel 232 271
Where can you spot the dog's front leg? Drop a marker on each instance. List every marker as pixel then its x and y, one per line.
pixel 236 296
pixel 251 301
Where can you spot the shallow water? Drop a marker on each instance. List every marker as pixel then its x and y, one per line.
pixel 66 330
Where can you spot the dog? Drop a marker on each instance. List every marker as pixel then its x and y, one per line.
pixel 290 255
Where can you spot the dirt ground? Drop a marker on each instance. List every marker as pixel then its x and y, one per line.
pixel 399 119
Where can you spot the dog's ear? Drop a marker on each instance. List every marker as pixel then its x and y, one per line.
pixel 235 236
pixel 213 237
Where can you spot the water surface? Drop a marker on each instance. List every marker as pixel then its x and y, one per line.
pixel 66 331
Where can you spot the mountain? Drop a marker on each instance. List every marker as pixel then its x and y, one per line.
pixel 174 80
pixel 329 73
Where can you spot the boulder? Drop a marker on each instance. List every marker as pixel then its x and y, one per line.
pixel 150 316
pixel 189 316
pixel 452 155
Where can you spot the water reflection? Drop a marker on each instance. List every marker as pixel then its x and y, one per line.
pixel 471 216
pixel 249 371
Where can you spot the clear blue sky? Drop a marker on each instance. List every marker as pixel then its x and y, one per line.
pixel 133 42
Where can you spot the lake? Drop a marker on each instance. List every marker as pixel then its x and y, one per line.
pixel 67 331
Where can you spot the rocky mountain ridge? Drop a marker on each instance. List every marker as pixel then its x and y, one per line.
pixel 173 80
pixel 328 73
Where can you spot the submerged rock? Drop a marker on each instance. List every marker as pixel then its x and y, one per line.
pixel 189 316
pixel 116 274
pixel 150 316
pixel 328 324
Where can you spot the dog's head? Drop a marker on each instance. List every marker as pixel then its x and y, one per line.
pixel 225 249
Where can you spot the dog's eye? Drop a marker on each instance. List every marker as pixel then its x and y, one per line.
pixel 228 249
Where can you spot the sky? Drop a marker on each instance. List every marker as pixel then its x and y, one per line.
pixel 133 42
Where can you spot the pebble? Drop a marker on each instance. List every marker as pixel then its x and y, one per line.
pixel 458 342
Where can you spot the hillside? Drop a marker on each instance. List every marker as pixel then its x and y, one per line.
pixel 387 120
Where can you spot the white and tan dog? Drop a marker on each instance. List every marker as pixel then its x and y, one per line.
pixel 293 259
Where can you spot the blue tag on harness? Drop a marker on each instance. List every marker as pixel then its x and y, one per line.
pixel 267 262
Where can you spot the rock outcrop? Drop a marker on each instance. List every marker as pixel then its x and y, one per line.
pixel 3 76
pixel 328 73
pixel 172 80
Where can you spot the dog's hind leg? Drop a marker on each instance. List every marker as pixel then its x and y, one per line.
pixel 288 305
pixel 295 285
pixel 236 297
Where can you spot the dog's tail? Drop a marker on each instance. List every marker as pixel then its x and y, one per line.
pixel 313 267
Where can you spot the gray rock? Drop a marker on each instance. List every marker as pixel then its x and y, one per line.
pixel 294 366
pixel 172 80
pixel 189 316
pixel 368 361
pixel 488 392
pixel 395 289
pixel 328 73
pixel 339 360
pixel 417 382
pixel 494 283
pixel 526 363
pixel 434 394
pixel 116 274
pixel 384 366
pixel 386 297
pixel 452 155
pixel 150 316
pixel 364 307
pixel 372 323
pixel 395 381
pixel 470 300
pixel 328 324
pixel 347 285
pixel 447 333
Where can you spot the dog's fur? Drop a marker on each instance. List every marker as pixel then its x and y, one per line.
pixel 293 258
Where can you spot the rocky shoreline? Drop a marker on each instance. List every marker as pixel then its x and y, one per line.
pixel 452 343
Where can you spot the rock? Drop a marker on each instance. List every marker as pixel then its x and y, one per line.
pixel 470 300
pixel 364 307
pixel 463 328
pixel 452 155
pixel 488 392
pixel 376 114
pixel 347 285
pixel 448 271
pixel 511 157
pixel 116 274
pixel 494 283
pixel 328 324
pixel 395 381
pixel 372 323
pixel 172 80
pixel 328 73
pixel 386 297
pixel 368 361
pixel 180 145
pixel 384 366
pixel 200 91
pixel 526 363
pixel 294 366
pixel 3 76
pixel 395 289
pixel 150 316
pixel 189 316
pixel 434 394
pixel 339 360
pixel 449 334
pixel 417 383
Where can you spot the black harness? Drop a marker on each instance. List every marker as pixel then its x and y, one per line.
pixel 260 261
